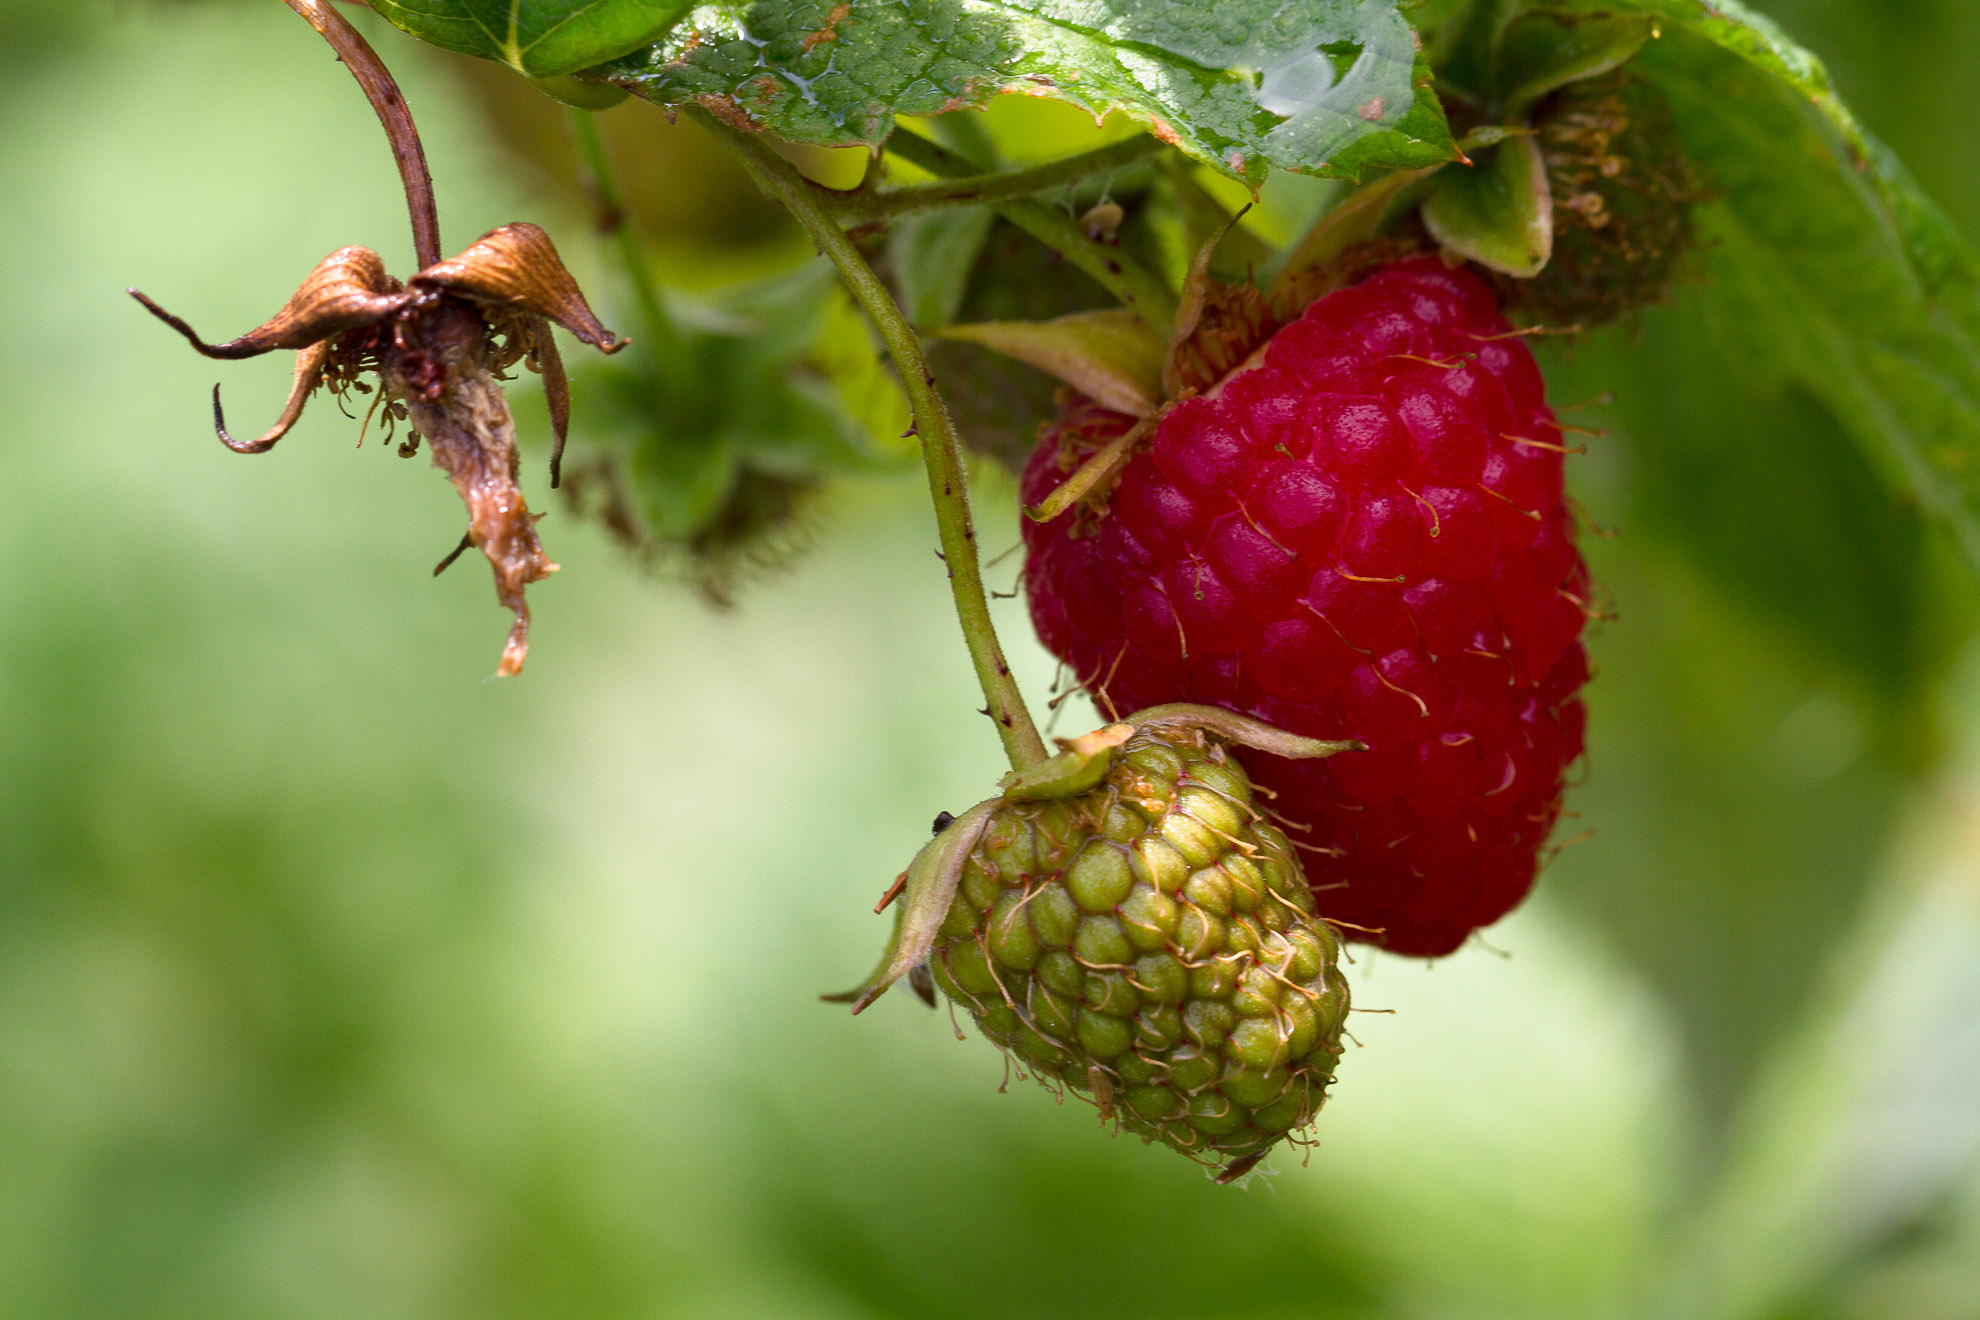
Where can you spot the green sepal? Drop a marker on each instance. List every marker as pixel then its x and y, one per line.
pixel 1197 285
pixel 1498 213
pixel 1108 355
pixel 1096 473
pixel 1204 217
pixel 1541 52
pixel 1078 768
pixel 924 903
pixel 1361 216
pixel 928 888
pixel 1231 727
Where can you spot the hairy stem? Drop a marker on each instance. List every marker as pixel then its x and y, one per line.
pixel 1003 185
pixel 663 340
pixel 946 483
pixel 390 107
pixel 1139 289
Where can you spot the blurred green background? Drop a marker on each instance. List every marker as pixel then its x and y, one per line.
pixel 337 980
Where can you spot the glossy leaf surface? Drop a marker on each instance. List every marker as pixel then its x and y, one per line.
pixel 541 38
pixel 1325 86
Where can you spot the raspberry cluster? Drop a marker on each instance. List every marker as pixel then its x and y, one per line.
pixel 1360 533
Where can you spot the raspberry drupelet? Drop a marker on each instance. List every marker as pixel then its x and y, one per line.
pixel 1360 532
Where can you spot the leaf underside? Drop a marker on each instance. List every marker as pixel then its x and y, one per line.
pixel 540 38
pixel 1330 87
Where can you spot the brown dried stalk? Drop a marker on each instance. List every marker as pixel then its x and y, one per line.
pixel 383 92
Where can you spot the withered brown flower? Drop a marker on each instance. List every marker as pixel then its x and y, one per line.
pixel 439 344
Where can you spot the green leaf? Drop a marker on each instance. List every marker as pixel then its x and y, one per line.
pixel 1761 489
pixel 1941 254
pixel 1734 809
pixel 574 91
pixel 1107 354
pixel 1331 87
pixel 1541 52
pixel 1856 284
pixel 1498 212
pixel 931 257
pixel 1814 384
pixel 789 393
pixel 540 38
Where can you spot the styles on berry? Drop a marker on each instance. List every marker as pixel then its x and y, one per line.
pixel 1358 532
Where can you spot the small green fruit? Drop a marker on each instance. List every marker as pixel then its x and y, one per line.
pixel 1622 191
pixel 1172 972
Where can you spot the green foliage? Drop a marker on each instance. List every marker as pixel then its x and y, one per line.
pixel 1771 438
pixel 1327 86
pixel 539 38
pixel 1831 266
pixel 997 403
pixel 782 391
pixel 1843 275
pixel 1539 54
pixel 931 258
pixel 1799 531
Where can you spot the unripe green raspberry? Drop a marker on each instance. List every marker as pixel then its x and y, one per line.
pixel 1623 191
pixel 1127 925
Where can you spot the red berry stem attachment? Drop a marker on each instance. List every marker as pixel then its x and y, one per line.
pixel 390 106
pixel 947 485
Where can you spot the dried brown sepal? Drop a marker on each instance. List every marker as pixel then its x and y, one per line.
pixel 547 362
pixel 517 267
pixel 438 345
pixel 347 290
pixel 309 375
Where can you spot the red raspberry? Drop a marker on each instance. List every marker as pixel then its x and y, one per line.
pixel 1360 533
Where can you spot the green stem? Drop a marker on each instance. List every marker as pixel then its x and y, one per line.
pixel 946 482
pixel 664 343
pixel 995 187
pixel 1139 290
